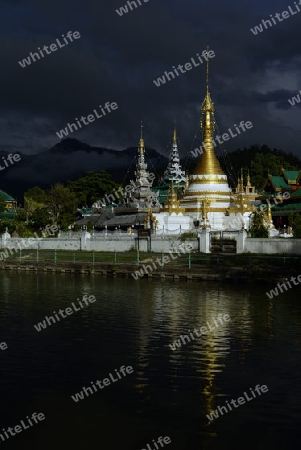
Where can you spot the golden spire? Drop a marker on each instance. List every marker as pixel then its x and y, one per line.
pixel 248 180
pixel 141 142
pixel 240 186
pixel 270 212
pixel 172 204
pixel 208 164
pixel 175 135
pixel 187 181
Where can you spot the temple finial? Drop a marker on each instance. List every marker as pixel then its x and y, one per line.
pixel 175 134
pixel 207 70
pixel 248 180
pixel 141 142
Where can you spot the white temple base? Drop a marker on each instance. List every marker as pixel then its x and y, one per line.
pixel 174 224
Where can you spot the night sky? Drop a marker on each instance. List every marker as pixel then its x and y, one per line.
pixel 117 58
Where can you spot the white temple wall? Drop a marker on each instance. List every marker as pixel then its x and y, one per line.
pixel 273 246
pixel 281 246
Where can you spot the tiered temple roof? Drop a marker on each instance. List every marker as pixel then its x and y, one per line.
pixel 174 170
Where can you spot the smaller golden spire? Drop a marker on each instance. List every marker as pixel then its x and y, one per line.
pixel 240 183
pixel 187 182
pixel 172 205
pixel 248 180
pixel 141 142
pixel 175 135
pixel 269 212
pixel 207 71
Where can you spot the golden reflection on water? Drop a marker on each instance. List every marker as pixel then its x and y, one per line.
pixel 176 310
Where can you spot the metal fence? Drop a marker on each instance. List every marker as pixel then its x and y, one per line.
pixel 135 257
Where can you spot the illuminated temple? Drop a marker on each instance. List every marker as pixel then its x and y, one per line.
pixel 186 203
pixel 207 200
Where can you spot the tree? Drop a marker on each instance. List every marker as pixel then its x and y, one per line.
pixel 61 204
pixel 39 219
pixel 89 225
pixel 258 160
pixel 10 224
pixel 2 204
pixel 34 199
pixel 258 228
pixel 92 187
pixel 295 223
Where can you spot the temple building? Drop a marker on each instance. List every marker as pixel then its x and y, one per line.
pixel 10 206
pixel 139 202
pixel 185 203
pixel 141 197
pixel 283 193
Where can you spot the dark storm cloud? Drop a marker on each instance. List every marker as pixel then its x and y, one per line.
pixel 117 59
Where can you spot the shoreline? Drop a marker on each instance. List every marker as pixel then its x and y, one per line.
pixel 170 272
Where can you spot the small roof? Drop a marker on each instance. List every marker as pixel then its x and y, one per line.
pixel 6 197
pixel 125 220
pixel 279 182
pixel 7 215
pixel 291 176
pixel 290 208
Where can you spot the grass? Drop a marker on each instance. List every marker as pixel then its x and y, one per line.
pixel 250 261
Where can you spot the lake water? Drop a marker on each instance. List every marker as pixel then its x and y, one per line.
pixel 170 392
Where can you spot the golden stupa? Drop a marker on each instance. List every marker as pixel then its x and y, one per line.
pixel 208 183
